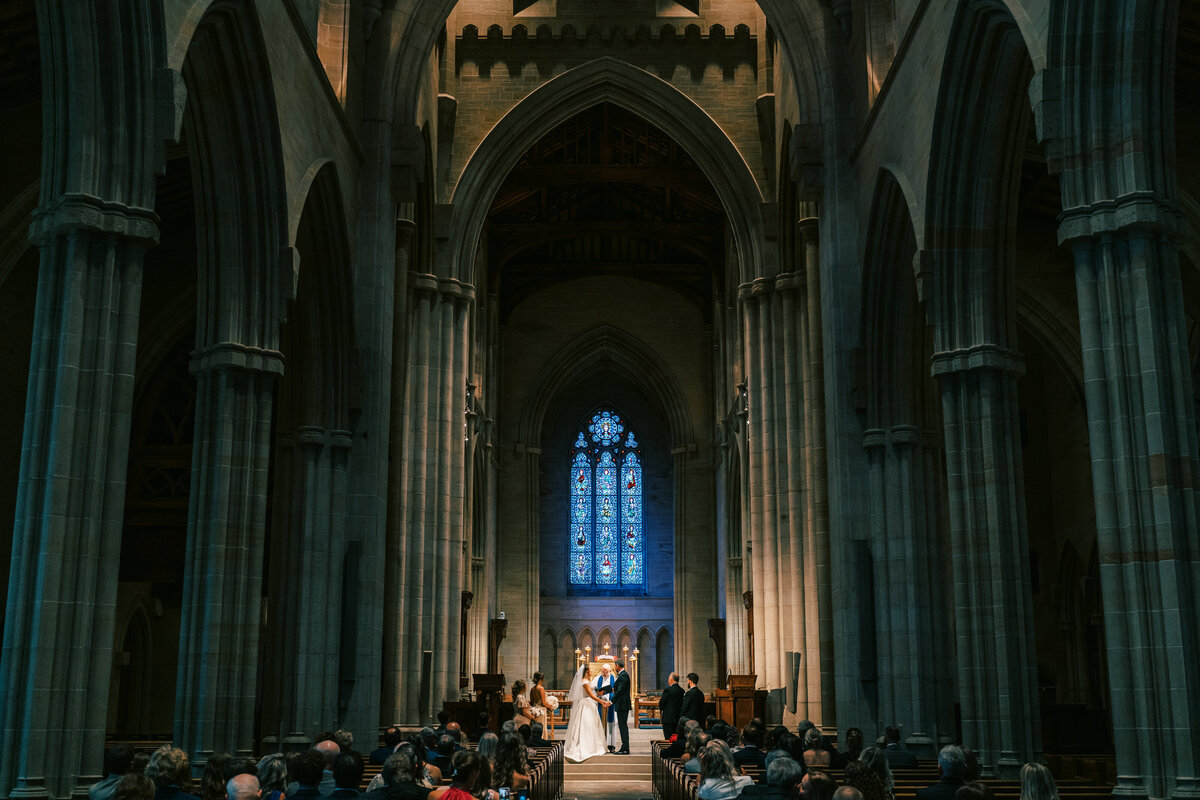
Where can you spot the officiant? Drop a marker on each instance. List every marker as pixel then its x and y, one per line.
pixel 609 714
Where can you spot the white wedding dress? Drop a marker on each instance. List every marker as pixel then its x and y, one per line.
pixel 585 733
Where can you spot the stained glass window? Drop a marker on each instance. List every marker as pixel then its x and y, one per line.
pixel 606 506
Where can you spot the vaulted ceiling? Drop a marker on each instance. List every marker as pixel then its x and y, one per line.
pixel 605 193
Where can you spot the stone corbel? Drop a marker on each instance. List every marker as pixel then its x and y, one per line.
pixel 1045 90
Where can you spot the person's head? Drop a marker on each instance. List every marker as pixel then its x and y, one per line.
pixel 854 742
pixel 673 678
pixel 308 767
pixel 771 741
pixel 696 741
pixel 774 755
pixel 140 762
pixel 538 678
pixel 605 669
pixel 752 734
pixel 874 758
pixel 399 768
pixel 428 736
pixel 344 739
pixel 488 744
pixel 952 762
pixel 273 773
pixel 508 726
pixel 134 786
pixel 891 734
pixel 481 722
pixel 681 727
pixel 812 738
pixel 329 750
pixel 169 766
pixel 973 790
pixel 587 672
pixel 518 688
pixel 791 744
pixel 784 772
pixel 536 730
pixel 348 769
pixel 455 730
pixel 817 786
pixel 804 727
pixel 525 732
pixel 466 765
pixel 620 664
pixel 445 745
pixel 118 760
pixel 392 737
pixel 242 787
pixel 971 773
pixel 710 722
pixel 239 765
pixel 1037 783
pixel 212 780
pixel 716 761
pixel 510 758
pixel 443 717
pixel 847 793
pixel 693 679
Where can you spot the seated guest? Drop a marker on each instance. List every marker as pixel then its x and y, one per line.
pixel 445 751
pixel 347 775
pixel 402 783
pixel 117 761
pixel 679 746
pixel 749 753
pixel 465 784
pixel 171 773
pixel 771 740
pixel 697 739
pixel 718 780
pixel 865 780
pixel 308 771
pixel 212 780
pixel 973 790
pixel 488 746
pixel 897 754
pixel 526 733
pixel 240 765
pixel 535 738
pixel 710 722
pixel 134 786
pixel 971 773
pixel 272 776
pixel 429 740
pixel 817 786
pixel 1037 783
pixel 426 774
pixel 854 744
pixel 952 765
pixel 511 764
pixel 243 786
pixel 814 754
pixel 391 738
pixel 873 757
pixel 847 793
pixel 792 745
pixel 455 731
pixel 783 777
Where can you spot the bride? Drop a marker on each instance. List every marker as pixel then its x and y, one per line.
pixel 585 733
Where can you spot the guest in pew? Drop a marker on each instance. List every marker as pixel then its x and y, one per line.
pixel 718 781
pixel 973 790
pixel 347 775
pixel 679 746
pixel 464 786
pixel 171 773
pixel 402 771
pixel 1037 783
pixel 427 774
pixel 874 758
pixel 536 739
pixel 391 738
pixel 240 765
pixel 117 761
pixel 134 786
pixel 792 744
pixel 455 732
pixel 814 754
pixel 488 745
pixel 445 751
pixel 307 770
pixel 429 742
pixel 212 780
pixel 817 786
pixel 854 745
pixel 512 764
pixel 697 739
pixel 865 780
pixel 897 754
pixel 749 753
pixel 710 722
pixel 971 773
pixel 952 765
pixel 272 776
pixel 847 793
pixel 771 740
pixel 243 786
pixel 783 777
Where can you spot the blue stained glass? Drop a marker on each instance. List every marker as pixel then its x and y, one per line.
pixel 606 505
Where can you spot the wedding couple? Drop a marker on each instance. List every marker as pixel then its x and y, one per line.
pixel 585 729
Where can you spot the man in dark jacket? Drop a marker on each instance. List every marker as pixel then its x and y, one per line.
pixel 670 705
pixel 693 699
pixel 952 763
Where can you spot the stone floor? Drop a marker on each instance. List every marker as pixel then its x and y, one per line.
pixel 614 777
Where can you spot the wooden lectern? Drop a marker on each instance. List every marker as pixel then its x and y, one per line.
pixel 739 703
pixel 489 690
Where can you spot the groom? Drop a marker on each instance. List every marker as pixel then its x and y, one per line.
pixel 621 705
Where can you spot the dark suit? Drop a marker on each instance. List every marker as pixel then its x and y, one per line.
pixel 898 755
pixel 622 703
pixel 668 708
pixel 693 705
pixel 940 791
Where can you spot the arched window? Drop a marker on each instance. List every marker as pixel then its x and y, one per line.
pixel 606 506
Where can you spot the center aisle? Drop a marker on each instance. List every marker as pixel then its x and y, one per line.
pixel 616 777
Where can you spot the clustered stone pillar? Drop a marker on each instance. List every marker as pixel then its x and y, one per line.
pixel 789 543
pixel 59 630
pixel 216 686
pixel 914 660
pixel 1142 432
pixel 993 614
pixel 427 547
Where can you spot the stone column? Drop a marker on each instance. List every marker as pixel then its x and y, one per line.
pixel 58 637
pixel 1142 431
pixel 997 679
pixel 222 587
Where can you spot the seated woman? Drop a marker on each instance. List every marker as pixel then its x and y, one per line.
pixel 510 767
pixel 815 755
pixel 717 778
pixel 467 766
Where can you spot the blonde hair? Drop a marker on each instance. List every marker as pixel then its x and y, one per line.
pixel 169 767
pixel 1037 783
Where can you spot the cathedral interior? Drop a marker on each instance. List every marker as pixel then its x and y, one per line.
pixel 847 344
